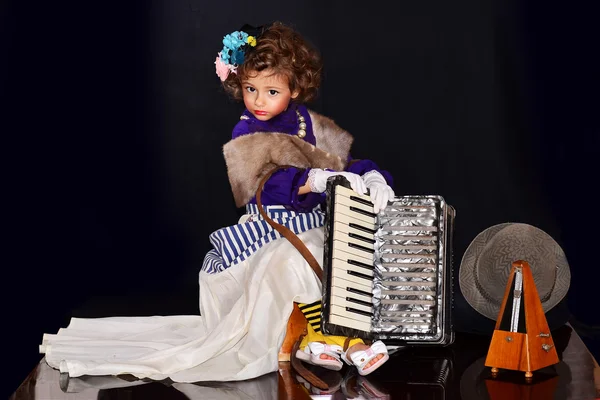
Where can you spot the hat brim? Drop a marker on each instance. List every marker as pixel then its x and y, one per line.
pixel 490 309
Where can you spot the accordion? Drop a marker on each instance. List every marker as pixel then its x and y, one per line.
pixel 387 276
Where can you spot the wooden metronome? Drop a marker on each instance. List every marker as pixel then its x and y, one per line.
pixel 521 339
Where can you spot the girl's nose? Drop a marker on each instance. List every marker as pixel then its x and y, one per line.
pixel 259 101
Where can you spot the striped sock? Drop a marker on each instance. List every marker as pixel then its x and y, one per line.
pixel 312 312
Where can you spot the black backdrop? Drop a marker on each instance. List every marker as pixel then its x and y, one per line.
pixel 114 119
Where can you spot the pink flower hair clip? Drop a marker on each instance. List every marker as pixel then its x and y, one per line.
pixel 223 69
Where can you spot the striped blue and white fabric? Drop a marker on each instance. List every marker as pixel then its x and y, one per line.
pixel 234 244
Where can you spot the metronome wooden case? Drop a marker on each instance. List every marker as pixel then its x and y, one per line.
pixel 521 340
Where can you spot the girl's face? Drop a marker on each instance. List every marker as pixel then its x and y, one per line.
pixel 266 95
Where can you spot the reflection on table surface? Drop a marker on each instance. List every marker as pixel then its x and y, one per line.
pixel 454 372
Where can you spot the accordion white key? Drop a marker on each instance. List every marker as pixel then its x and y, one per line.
pixel 388 276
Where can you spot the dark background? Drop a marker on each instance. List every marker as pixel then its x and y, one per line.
pixel 113 121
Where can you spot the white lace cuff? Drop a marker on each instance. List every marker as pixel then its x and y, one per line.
pixel 311 180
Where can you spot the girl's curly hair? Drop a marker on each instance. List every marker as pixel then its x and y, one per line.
pixel 286 53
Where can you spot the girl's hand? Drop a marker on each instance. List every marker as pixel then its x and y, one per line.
pixel 317 180
pixel 379 190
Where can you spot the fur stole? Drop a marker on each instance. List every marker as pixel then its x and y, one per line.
pixel 250 157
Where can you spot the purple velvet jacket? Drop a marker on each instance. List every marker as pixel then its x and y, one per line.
pixel 282 187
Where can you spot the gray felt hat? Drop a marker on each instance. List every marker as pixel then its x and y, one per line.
pixel 487 262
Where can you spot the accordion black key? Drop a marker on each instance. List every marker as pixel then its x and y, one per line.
pixel 387 276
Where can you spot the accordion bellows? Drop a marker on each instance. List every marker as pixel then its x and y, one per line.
pixel 388 276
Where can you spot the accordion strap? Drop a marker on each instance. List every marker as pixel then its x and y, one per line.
pixel 301 247
pixel 286 232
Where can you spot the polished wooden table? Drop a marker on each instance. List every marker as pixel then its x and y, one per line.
pixel 454 372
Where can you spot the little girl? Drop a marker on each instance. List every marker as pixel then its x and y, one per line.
pixel 251 279
pixel 274 71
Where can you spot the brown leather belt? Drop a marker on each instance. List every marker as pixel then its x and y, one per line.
pixel 301 247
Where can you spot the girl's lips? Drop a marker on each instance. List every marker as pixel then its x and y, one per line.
pixel 258 112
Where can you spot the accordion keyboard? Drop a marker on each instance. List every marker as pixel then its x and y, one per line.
pixel 352 260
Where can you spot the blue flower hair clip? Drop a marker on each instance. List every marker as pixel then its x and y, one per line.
pixel 235 46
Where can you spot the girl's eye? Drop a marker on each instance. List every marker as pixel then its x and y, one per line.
pixel 250 89
pixel 273 92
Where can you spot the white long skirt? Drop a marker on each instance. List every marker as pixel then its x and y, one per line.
pixel 244 313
